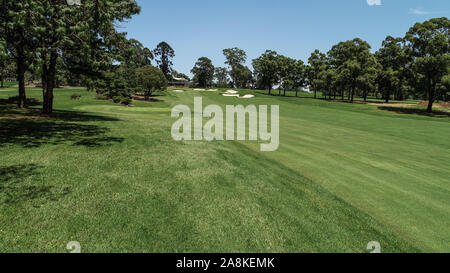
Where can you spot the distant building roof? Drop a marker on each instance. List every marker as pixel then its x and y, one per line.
pixel 179 79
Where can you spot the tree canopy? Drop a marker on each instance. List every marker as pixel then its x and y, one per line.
pixel 203 72
pixel 164 54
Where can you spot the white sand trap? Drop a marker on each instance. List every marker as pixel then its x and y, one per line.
pixel 248 96
pixel 231 95
pixel 178 91
pixel 212 90
pixel 231 92
pixel 199 89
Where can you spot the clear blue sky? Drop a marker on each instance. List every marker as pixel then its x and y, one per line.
pixel 291 27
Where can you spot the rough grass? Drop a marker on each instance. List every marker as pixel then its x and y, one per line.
pixel 112 178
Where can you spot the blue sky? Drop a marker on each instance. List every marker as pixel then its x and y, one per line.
pixel 291 27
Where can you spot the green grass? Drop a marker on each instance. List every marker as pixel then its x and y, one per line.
pixel 112 178
pixel 7 84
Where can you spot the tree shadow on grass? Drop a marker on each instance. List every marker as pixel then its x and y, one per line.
pixel 29 129
pixel 403 110
pixel 15 189
pixel 31 133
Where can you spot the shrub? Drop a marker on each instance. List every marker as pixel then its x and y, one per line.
pixel 149 79
pixel 117 99
pixel 125 100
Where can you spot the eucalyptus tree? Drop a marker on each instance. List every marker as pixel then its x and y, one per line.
pixel 429 46
pixel 137 55
pixel 286 68
pixel 327 82
pixel 164 54
pixel 368 79
pixel 221 76
pixel 267 68
pixel 350 58
pixel 317 63
pixel 203 72
pixel 243 76
pixel 393 56
pixel 235 59
pixel 297 76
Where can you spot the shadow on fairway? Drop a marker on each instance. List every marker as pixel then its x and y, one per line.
pixel 15 189
pixel 30 129
pixel 402 110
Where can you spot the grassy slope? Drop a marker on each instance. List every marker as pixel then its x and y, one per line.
pixel 111 178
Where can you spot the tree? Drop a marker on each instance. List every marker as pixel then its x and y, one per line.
pixel 243 76
pixel 267 69
pixel 326 82
pixel 164 55
pixel 317 63
pixel 286 69
pixel 84 35
pixel 297 76
pixel 221 76
pixel 235 59
pixel 393 57
pixel 368 78
pixel 149 79
pixel 138 55
pixel 16 29
pixel 113 84
pixel 203 72
pixel 429 45
pixel 350 59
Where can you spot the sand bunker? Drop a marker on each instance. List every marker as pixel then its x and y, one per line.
pixel 233 93
pixel 212 90
pixel 248 96
pixel 199 89
pixel 178 91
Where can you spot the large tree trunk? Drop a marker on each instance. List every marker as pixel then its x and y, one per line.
pixel 353 95
pixel 270 91
pixel 296 92
pixel 431 97
pixel 21 78
pixel 48 85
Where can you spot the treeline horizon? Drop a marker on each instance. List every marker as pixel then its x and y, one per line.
pixel 80 44
pixel 414 66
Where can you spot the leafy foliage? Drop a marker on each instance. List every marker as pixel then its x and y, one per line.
pixel 164 54
pixel 203 72
pixel 149 79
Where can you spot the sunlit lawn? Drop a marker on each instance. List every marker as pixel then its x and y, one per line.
pixel 112 178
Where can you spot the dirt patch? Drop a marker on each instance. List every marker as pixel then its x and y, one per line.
pixel 438 104
pixel 393 104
